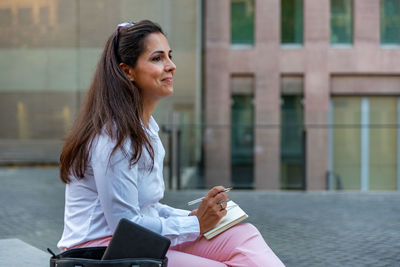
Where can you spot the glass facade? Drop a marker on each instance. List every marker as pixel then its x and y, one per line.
pixel 292 22
pixel 390 22
pixel 48 56
pixel 242 132
pixel 242 22
pixel 341 21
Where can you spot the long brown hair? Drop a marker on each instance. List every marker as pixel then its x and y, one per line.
pixel 113 102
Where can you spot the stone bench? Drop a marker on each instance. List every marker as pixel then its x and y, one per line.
pixel 16 253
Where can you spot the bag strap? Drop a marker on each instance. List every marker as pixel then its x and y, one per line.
pixel 75 262
pixel 90 257
pixel 51 252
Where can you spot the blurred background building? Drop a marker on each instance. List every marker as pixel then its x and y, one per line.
pixel 48 53
pixel 269 94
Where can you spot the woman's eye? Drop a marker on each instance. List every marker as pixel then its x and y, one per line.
pixel 156 58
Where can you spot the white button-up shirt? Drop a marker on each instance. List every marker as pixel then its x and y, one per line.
pixel 112 189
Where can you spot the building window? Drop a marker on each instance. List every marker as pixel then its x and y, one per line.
pixel 242 22
pixel 341 22
pixel 346 139
pixel 390 22
pixel 242 131
pixel 292 22
pixel 365 142
pixel 292 133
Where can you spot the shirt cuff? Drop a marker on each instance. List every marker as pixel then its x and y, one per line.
pixel 181 229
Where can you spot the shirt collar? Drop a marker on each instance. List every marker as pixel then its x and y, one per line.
pixel 153 126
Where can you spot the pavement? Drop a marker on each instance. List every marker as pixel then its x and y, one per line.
pixel 302 228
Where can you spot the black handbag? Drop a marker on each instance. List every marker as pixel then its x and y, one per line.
pixel 91 257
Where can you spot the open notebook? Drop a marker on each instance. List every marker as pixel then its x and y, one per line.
pixel 233 216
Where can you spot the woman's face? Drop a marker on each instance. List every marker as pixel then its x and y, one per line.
pixel 154 70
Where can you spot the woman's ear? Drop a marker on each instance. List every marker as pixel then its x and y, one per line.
pixel 128 70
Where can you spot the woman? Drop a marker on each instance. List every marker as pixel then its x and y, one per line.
pixel 112 162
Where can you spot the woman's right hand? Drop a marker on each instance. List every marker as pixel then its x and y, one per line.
pixel 212 208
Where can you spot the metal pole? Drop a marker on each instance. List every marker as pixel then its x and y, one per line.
pixel 167 129
pixel 178 159
pixel 175 149
pixel 304 171
pixel 170 161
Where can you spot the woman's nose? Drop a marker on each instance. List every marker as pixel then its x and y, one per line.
pixel 170 66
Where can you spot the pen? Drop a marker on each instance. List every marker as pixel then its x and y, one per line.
pixel 200 199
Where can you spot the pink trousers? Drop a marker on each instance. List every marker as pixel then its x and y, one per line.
pixel 241 245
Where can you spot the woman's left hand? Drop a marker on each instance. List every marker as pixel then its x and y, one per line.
pixel 193 213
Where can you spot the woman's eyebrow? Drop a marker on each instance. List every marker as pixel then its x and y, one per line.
pixel 160 52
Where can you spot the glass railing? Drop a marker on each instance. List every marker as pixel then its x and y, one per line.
pixel 297 157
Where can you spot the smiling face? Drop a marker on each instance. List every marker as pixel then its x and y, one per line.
pixel 154 70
